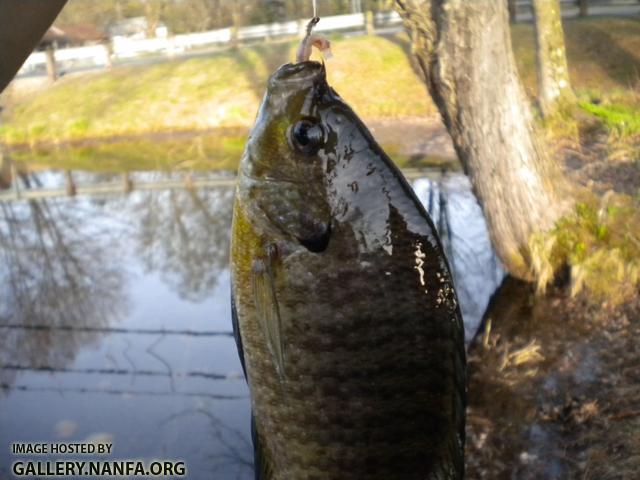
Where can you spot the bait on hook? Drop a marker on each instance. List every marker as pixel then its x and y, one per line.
pixel 313 40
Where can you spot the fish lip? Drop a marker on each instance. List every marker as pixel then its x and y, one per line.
pixel 298 72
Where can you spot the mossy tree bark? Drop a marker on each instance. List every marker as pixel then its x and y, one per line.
pixel 464 50
pixel 554 87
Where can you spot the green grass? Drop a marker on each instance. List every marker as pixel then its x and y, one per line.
pixel 209 151
pixel 600 242
pixel 205 151
pixel 621 120
pixel 221 90
pixel 603 55
pixel 604 67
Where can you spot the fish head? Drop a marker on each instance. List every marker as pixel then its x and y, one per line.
pixel 312 167
pixel 282 169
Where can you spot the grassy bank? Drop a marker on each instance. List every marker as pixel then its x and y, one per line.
pixel 374 74
pixel 604 66
pixel 220 90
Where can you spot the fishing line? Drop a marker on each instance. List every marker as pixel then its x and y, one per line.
pixel 304 50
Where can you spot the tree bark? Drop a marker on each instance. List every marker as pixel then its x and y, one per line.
pixel 554 87
pixel 464 50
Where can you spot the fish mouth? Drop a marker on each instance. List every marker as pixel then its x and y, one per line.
pixel 298 72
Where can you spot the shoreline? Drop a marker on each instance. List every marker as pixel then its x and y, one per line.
pixel 412 142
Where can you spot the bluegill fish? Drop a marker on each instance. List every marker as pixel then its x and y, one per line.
pixel 344 309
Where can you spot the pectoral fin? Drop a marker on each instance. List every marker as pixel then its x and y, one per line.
pixel 268 311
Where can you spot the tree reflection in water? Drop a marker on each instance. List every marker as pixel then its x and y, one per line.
pixel 458 218
pixel 64 263
pixel 234 449
pixel 57 269
pixel 63 270
pixel 184 234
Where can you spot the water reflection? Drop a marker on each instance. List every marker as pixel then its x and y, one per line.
pixel 185 236
pixel 477 272
pixel 55 271
pixel 114 312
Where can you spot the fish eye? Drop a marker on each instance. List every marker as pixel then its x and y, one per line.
pixel 307 137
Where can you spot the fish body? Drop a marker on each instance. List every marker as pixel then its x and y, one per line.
pixel 345 313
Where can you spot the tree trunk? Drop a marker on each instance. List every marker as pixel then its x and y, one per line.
pixel 512 11
pixel 236 22
pixel 464 50
pixel 554 88
pixel 584 7
pixel 151 16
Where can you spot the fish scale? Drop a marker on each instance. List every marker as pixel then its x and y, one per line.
pixel 370 382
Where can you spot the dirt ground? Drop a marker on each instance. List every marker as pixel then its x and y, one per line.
pixel 554 381
pixel 554 389
pixel 603 162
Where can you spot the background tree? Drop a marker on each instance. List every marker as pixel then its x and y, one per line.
pixel 513 10
pixel 56 270
pixel 584 7
pixel 554 87
pixel 152 12
pixel 184 235
pixel 182 16
pixel 464 50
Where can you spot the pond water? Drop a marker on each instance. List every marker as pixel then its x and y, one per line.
pixel 115 316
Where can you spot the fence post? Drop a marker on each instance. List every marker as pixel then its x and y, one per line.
pixel 108 52
pixel 171 49
pixel 127 184
pixel 234 36
pixel 5 170
pixel 370 26
pixel 584 7
pixel 14 179
pixel 52 71
pixel 69 184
